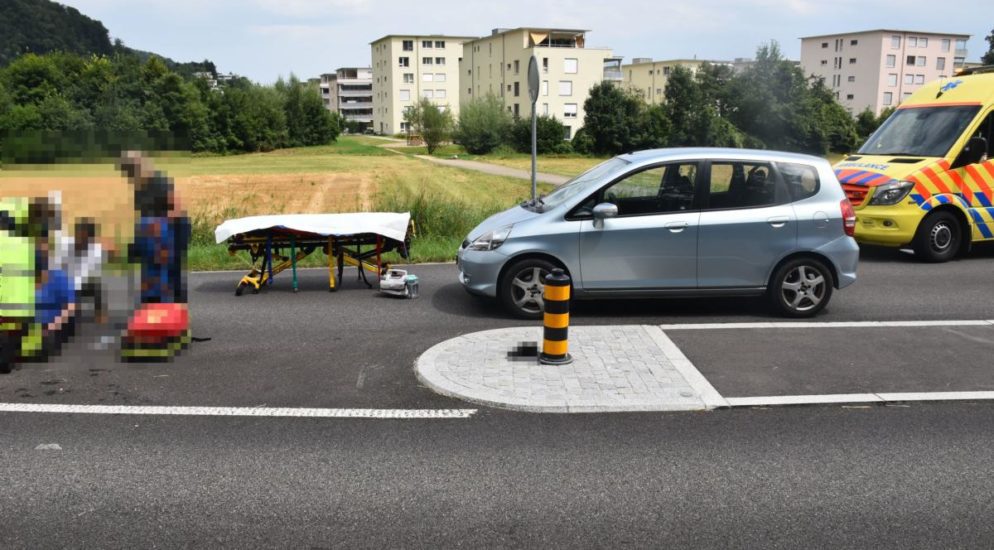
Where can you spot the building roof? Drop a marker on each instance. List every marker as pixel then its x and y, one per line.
pixel 498 32
pixel 654 62
pixel 382 38
pixel 872 31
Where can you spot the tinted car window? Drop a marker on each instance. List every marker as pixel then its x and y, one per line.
pixel 656 190
pixel 741 185
pixel 801 179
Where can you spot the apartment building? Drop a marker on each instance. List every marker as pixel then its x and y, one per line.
pixel 880 68
pixel 408 67
pixel 648 78
pixel 349 92
pixel 498 65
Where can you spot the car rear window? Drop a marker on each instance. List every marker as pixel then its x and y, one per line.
pixel 801 179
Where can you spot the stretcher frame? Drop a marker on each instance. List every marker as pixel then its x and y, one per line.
pixel 268 248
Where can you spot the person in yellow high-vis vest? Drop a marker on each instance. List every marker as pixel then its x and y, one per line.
pixel 17 280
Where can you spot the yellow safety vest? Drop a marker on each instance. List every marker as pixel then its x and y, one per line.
pixel 17 265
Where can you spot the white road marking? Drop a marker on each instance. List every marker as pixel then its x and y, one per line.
pixel 48 447
pixel 831 324
pixel 775 400
pixel 938 396
pixel 710 396
pixel 276 412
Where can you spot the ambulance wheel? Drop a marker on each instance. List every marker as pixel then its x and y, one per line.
pixel 938 238
pixel 7 353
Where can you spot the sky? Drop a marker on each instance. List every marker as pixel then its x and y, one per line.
pixel 266 39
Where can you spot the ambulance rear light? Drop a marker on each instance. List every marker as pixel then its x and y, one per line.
pixel 848 217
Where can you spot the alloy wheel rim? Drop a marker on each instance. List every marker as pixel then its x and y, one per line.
pixel 527 289
pixel 803 289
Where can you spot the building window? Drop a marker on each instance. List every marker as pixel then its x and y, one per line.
pixel 408 46
pixel 912 42
pixel 405 95
pixel 888 98
pixel 891 60
pixel 439 94
pixel 565 87
pixel 545 64
pixel 570 66
pixel 945 44
pixel 408 78
pixel 517 89
pixel 517 110
pixel 426 61
pixel 824 62
pixel 849 97
pixel 545 87
pixel 667 70
pixel 852 60
pixel 439 77
pixel 405 61
pixel 569 110
pixel 892 79
pixel 426 43
pixel 959 61
pixel 824 44
pixel 469 91
pixel 919 79
pixel 960 44
pixel 545 109
pixel 851 79
pixel 905 96
pixel 854 42
pixel 895 43
pixel 940 63
pixel 427 94
pixel 920 61
pixel 509 87
pixel 440 43
pixel 517 66
pixel 910 60
pixel 440 61
pixel 404 126
pixel 909 79
pixel 922 42
pixel 659 91
pixel 567 133
pixel 426 77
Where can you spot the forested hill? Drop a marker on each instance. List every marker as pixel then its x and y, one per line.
pixel 41 26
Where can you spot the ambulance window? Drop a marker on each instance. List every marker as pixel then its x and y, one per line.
pixel 986 131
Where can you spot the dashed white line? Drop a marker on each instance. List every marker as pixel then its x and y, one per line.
pixel 273 412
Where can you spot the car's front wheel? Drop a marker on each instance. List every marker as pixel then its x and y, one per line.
pixel 522 287
pixel 801 288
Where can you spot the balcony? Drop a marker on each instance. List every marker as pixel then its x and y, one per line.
pixel 356 105
pixel 356 93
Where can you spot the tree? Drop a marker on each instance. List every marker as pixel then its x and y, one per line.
pixel 692 113
pixel 432 123
pixel 613 119
pixel 549 134
pixel 483 125
pixel 988 58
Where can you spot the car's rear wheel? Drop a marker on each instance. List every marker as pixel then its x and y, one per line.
pixel 801 288
pixel 522 287
pixel 938 238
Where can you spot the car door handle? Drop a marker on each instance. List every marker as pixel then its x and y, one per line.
pixel 676 227
pixel 778 221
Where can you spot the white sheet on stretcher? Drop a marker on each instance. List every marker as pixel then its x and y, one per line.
pixel 388 224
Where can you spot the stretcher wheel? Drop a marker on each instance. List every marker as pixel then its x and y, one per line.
pixel 239 289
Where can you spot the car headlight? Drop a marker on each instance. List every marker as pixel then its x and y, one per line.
pixel 490 240
pixel 891 193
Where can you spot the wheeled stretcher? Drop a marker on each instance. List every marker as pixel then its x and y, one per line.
pixel 276 243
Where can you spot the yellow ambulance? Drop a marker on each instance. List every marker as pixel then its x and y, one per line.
pixel 925 178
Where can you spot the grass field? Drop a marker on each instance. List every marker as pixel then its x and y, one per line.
pixel 354 174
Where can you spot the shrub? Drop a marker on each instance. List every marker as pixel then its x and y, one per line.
pixel 549 136
pixel 483 125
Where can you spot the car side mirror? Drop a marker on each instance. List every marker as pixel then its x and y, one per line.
pixel 604 211
pixel 973 153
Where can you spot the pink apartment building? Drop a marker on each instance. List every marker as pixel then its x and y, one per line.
pixel 881 68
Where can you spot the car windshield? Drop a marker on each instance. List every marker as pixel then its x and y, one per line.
pixel 580 183
pixel 920 131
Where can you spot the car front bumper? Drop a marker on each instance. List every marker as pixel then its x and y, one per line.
pixel 479 270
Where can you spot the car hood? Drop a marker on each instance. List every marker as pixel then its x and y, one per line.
pixel 513 215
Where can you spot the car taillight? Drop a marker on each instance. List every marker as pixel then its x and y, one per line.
pixel 848 217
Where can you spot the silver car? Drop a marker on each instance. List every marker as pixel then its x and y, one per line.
pixel 675 222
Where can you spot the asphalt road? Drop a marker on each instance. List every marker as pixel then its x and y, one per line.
pixel 900 477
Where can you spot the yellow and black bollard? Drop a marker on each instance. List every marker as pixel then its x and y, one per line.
pixel 555 346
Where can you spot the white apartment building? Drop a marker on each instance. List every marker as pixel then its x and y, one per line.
pixel 408 67
pixel 349 92
pixel 498 65
pixel 648 78
pixel 881 68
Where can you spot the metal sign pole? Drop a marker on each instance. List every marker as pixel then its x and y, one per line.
pixel 533 84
